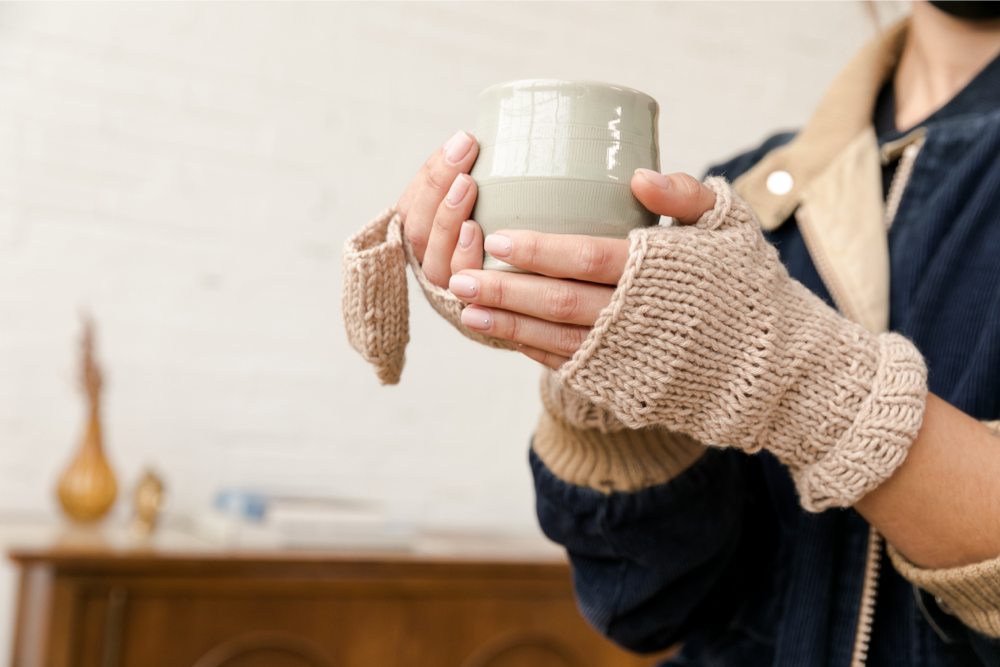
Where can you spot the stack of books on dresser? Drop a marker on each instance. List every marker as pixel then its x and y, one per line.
pixel 273 520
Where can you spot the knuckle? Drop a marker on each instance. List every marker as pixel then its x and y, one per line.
pixel 688 184
pixel 691 193
pixel 562 302
pixel 590 258
pixel 527 249
pixel 568 340
pixel 435 275
pixel 442 225
pixel 498 290
pixel 436 178
pixel 511 328
pixel 415 237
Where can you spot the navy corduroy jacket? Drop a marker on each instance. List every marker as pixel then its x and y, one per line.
pixel 722 557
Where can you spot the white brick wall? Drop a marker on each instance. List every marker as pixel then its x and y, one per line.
pixel 189 172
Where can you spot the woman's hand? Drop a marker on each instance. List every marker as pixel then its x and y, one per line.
pixel 549 315
pixel 435 209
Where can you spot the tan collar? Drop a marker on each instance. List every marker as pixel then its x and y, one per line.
pixel 842 115
pixel 833 168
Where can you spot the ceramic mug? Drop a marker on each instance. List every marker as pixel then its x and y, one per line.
pixel 558 156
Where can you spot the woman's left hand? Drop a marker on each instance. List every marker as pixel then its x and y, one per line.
pixel 549 315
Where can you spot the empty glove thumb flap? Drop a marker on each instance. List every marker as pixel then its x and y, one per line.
pixel 448 305
pixel 374 300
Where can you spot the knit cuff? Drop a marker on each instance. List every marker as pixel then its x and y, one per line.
pixel 374 299
pixel 575 409
pixel 608 461
pixel 880 437
pixel 971 593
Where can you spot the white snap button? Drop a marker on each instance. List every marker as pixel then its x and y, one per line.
pixel 944 606
pixel 780 182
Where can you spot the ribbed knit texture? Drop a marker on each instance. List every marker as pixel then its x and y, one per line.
pixel 584 444
pixel 374 296
pixel 575 410
pixel 375 301
pixel 970 592
pixel 707 335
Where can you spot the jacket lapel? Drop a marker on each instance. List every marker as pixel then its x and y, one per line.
pixel 841 221
pixel 836 191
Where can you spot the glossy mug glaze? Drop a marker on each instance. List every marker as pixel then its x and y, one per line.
pixel 558 156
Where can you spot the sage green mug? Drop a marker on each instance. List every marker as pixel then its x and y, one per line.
pixel 558 157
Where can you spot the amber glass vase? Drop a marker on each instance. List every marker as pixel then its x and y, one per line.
pixel 87 489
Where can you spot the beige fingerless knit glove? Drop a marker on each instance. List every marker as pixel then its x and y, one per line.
pixel 578 411
pixel 374 297
pixel 585 445
pixel 708 335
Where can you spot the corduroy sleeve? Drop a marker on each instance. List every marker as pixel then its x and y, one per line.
pixel 662 532
pixel 669 561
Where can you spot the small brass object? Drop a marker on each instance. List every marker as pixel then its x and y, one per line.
pixel 149 499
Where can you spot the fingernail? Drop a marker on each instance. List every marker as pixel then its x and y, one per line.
pixel 457 147
pixel 466 235
pixel 466 286
pixel 655 178
pixel 477 318
pixel 496 245
pixel 459 188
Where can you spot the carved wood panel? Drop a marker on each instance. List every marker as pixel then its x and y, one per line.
pixel 217 614
pixel 265 649
pixel 526 648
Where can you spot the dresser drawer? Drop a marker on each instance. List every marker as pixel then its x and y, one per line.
pixel 278 613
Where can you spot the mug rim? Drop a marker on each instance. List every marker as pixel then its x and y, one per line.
pixel 588 82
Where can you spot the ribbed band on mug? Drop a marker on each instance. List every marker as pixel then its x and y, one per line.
pixel 564 206
pixel 487 136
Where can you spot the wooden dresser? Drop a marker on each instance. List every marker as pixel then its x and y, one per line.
pixel 94 604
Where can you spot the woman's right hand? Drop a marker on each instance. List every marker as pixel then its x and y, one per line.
pixel 435 210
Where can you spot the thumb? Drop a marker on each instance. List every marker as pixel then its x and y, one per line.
pixel 681 196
